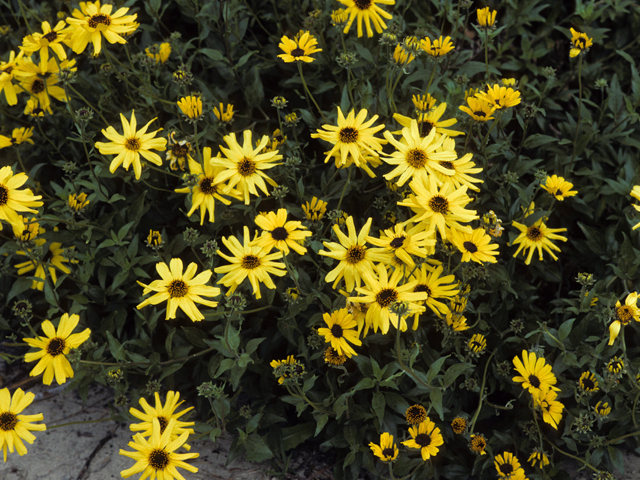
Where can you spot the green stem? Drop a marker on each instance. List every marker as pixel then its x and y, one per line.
pixel 78 423
pixel 309 96
pixel 586 464
pixel 484 381
pixel 344 190
pixel 486 50
pixel 575 138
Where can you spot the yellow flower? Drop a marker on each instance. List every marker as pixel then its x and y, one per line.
pixel 54 259
pixel 78 201
pixel 539 457
pixel 486 17
pixel 54 348
pixel 477 444
pixel 423 103
pixel 426 437
pixel 415 414
pixel 156 456
pixel 581 43
pixel 551 408
pixel 154 239
pixel 22 135
pixel 180 290
pixel 623 315
pixel 438 47
pixel 130 146
pixel 404 243
pixel 93 21
pixel 249 261
pixel 430 121
pixel 352 138
pixel 559 187
pixel 8 70
pixel 459 425
pixel 206 191
pixel 225 116
pixel 437 287
pixel 458 171
pixel 279 233
pixel 535 374
pixel 588 382
pixel 400 57
pixel 500 96
pixel 367 11
pixel 477 344
pixel 479 109
pixel 191 106
pixel 290 360
pixel 27 230
pixel 339 18
pixel 537 236
pixel 12 199
pixel 340 331
pixel 49 38
pixel 315 210
pixel 15 428
pixel 40 81
pixel 387 451
pixel 163 52
pixel 602 409
pixel 299 48
pixel 615 365
pixel 178 152
pixel 474 246
pixel 507 465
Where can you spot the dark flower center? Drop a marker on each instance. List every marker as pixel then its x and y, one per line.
pixel 439 204
pixel 336 331
pixel 178 289
pixel 416 158
pixel 7 70
pixel 51 36
pixel 471 247
pixel 4 195
pixel 207 187
pixel 8 421
pixel 480 113
pixel 363 4
pixel 279 233
pixel 397 242
pixel 246 167
pixel 388 452
pixel 534 381
pixel 428 126
pixel 588 384
pixel 615 366
pixel 297 52
pixel 355 254
pixel 478 444
pixel 424 440
pixel 56 346
pixel 132 144
pixel 476 345
pixel 158 459
pixel 447 165
pixel 99 19
pixel 38 86
pixel 386 297
pixel 580 43
pixel 163 423
pixel 416 413
pixel 458 425
pixel 534 234
pixel 348 135
pixel 558 193
pixel 249 262
pixel 506 468
pixel 623 313
pixel 180 150
pixel 422 288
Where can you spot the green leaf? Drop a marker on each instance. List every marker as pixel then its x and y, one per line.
pixel 214 55
pixel 253 344
pixel 436 401
pixel 378 405
pixel 616 97
pixel 537 140
pixel 435 369
pixel 166 371
pixel 256 449
pixel 321 421
pixel 116 349
pixel 454 371
pixel 565 329
pixel 294 436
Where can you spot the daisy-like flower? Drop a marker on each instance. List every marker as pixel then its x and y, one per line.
pixel 178 152
pixel 537 236
pixel 538 457
pixel 22 135
pixel 559 187
pixel 580 43
pixel 366 11
pixel 315 210
pixel 352 137
pixel 478 444
pixel 40 80
pixel 77 201
pixel 500 96
pixel 205 193
pixel 340 331
pixel 602 409
pixel 333 358
pixel 15 428
pixel 383 292
pixel 415 156
pixel 457 172
pixel 456 322
pixel 154 239
pixel 290 360
pixel 405 242
pixel 27 230
pixel 93 21
pixel 54 260
pixel 299 48
pixel 588 382
pixel 431 121
pixel 615 365
pixel 486 17
pixel 506 464
pixel 459 425
pixel 423 103
pixel 437 288
pixel 191 107
pixel 131 145
pixel 244 165
pixel 400 57
pixel 438 47
pixel 354 257
pixel 50 38
pixel 161 53
pixel 156 456
pixel 475 246
pixel 440 207
pixel 623 315
pixel 13 199
pixel 224 115
pixel 8 70
pixel 387 451
pixel 477 344
pixel 54 347
pixel 180 289
pixel 480 109
pixel 279 233
pixel 164 414
pixel 635 193
pixel 426 437
pixel 551 408
pixel 535 374
pixel 415 414
pixel 253 262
